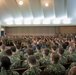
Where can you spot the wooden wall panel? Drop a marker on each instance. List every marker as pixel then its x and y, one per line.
pixel 33 30
pixel 71 29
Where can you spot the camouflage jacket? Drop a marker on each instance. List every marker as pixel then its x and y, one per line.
pixel 66 52
pixel 44 61
pixel 8 72
pixel 63 60
pixel 15 62
pixel 73 64
pixel 71 57
pixel 55 69
pixel 32 71
pixel 25 64
pixel 38 55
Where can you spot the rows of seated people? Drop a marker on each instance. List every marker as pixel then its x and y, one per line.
pixel 31 52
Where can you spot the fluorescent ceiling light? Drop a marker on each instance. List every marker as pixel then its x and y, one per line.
pixel 8 19
pixel 46 21
pixel 36 21
pixel 46 4
pixel 27 21
pixel 18 21
pixel 56 21
pixel 20 2
pixel 66 21
pixel 9 23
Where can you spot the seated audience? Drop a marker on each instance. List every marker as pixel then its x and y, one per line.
pixel 62 59
pixel 5 67
pixel 72 55
pixel 45 60
pixel 34 69
pixel 28 53
pixel 15 62
pixel 55 68
pixel 38 53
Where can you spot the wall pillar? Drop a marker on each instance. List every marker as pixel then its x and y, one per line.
pixel 0 30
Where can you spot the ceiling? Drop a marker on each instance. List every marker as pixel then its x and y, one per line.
pixel 36 12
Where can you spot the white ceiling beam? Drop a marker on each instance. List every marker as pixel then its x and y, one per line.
pixel 59 6
pixel 71 8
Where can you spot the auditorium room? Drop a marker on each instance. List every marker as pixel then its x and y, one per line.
pixel 37 37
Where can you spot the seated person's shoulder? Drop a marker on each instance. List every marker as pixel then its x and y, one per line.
pixel 15 73
pixel 73 64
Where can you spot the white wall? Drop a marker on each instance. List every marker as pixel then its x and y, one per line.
pixel 33 30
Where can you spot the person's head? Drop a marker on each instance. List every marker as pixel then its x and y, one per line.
pixel 38 47
pixel 54 48
pixel 64 45
pixel 67 43
pixel 54 58
pixel 32 60
pixel 13 48
pixel 8 52
pixel 30 52
pixel 0 43
pixel 61 51
pixel 18 46
pixel 29 45
pixel 46 52
pixel 5 62
pixel 72 71
pixel 3 46
pixel 71 50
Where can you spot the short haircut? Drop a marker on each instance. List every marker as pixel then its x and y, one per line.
pixel 13 48
pixel 18 46
pixel 29 46
pixel 3 46
pixel 8 52
pixel 38 47
pixel 46 51
pixel 61 50
pixel 32 59
pixel 54 47
pixel 72 71
pixel 30 51
pixel 67 43
pixel 0 43
pixel 64 45
pixel 5 62
pixel 55 57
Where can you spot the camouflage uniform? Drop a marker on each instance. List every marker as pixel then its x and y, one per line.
pixel 2 53
pixel 18 53
pixel 15 62
pixel 66 52
pixel 8 72
pixel 32 71
pixel 73 64
pixel 62 60
pixel 25 56
pixel 25 64
pixel 38 55
pixel 71 57
pixel 55 69
pixel 45 61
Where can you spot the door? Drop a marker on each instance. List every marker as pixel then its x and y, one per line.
pixel 2 33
